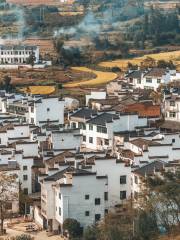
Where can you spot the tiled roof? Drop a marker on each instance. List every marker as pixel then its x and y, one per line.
pixel 144 110
pixel 71 170
pixel 84 113
pixel 156 72
pixel 103 118
pixel 59 158
pixel 135 74
pixel 150 168
pixel 171 125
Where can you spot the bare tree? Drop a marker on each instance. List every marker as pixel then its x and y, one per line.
pixel 8 194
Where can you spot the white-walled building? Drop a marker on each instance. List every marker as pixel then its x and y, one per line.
pixel 18 54
pixel 71 193
pixel 95 95
pixel 151 79
pixel 172 108
pixel 98 128
pixel 66 139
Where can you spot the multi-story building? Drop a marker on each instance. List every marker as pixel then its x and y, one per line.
pixel 18 54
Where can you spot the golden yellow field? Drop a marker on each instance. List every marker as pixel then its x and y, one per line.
pixel 101 78
pixel 71 13
pixel 122 63
pixel 39 89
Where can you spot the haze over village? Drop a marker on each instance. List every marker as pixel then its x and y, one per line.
pixel 89 120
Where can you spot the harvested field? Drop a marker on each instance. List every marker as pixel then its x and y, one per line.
pixel 34 2
pixel 44 90
pixel 46 46
pixel 100 79
pixel 122 63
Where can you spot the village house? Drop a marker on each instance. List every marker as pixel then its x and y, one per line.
pixel 18 54
pixel 151 79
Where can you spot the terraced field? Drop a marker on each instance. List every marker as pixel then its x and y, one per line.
pixel 122 63
pixel 44 90
pixel 100 79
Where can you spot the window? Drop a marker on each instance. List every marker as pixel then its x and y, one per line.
pixel 24 168
pixel 90 139
pixel 86 197
pixel 106 142
pixel 172 114
pixel 173 140
pixel 86 213
pixel 136 179
pixel 25 177
pixel 159 80
pixel 90 127
pixel 172 103
pixel 106 196
pixel 73 125
pixel 106 211
pixel 139 81
pixel 48 109
pixel 149 80
pixel 32 120
pixel 25 190
pixel 84 138
pixel 59 195
pixel 97 201
pixel 122 195
pixel 81 126
pixel 101 129
pixel 59 211
pixel 97 217
pixel 123 179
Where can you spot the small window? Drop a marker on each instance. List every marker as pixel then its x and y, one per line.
pixel 90 139
pixel 172 114
pixel 106 196
pixel 106 211
pixel 136 179
pixel 24 168
pixel 149 80
pixel 86 197
pixel 59 211
pixel 122 195
pixel 48 109
pixel 172 103
pixel 106 142
pixel 84 138
pixel 173 140
pixel 25 177
pixel 90 127
pixel 97 217
pixel 158 80
pixel 59 195
pixel 97 201
pixel 25 190
pixel 86 213
pixel 123 179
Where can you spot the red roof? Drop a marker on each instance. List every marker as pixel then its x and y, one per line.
pixel 144 110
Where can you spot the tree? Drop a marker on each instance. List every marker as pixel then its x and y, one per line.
pixel 90 233
pixel 8 194
pixel 23 237
pixel 7 83
pixel 31 59
pixel 72 226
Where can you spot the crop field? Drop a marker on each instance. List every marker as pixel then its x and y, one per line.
pixel 38 90
pixel 101 78
pixel 122 63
